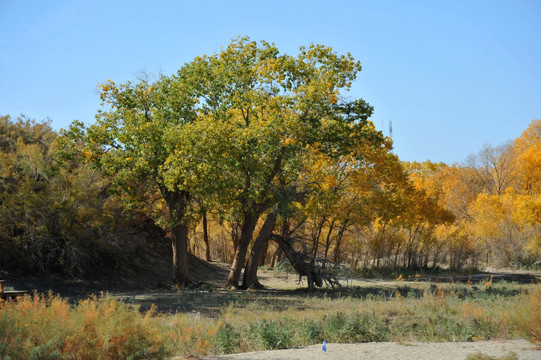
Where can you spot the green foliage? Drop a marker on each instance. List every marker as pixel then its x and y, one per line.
pixel 231 130
pixel 272 334
pixel 310 332
pixel 227 339
pixel 55 214
pixel 24 131
pixel 351 328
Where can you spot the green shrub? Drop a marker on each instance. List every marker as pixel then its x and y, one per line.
pixel 357 327
pixel 227 339
pixel 310 332
pixel 272 334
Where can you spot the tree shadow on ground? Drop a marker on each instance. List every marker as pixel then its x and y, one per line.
pixel 209 299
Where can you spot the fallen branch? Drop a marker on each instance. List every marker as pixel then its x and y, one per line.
pixel 312 268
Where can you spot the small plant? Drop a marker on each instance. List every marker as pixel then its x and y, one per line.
pixel 272 334
pixel 310 332
pixel 227 339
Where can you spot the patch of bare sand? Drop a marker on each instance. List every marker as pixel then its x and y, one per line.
pixel 409 351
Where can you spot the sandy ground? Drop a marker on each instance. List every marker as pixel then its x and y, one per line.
pixel 408 351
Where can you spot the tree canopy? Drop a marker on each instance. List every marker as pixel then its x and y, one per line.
pixel 236 125
pixel 244 144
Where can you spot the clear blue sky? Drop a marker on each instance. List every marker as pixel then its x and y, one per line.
pixel 451 75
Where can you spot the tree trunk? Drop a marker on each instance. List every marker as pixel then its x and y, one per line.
pixel 250 272
pixel 315 236
pixel 192 242
pixel 248 227
pixel 235 235
pixel 276 257
pixel 263 259
pixel 206 236
pixel 336 257
pixel 180 254
pixel 299 262
pixel 177 202
pixel 328 241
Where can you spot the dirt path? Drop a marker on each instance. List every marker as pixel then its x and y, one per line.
pixel 410 351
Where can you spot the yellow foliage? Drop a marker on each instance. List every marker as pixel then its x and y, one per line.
pixel 528 158
pixel 288 141
pixel 487 211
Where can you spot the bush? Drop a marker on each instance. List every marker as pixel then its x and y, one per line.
pixel 310 332
pixel 192 335
pixel 358 327
pixel 227 339
pixel 48 327
pixel 272 334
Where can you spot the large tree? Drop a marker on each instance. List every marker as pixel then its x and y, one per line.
pixel 232 127
pixel 142 129
pixel 275 109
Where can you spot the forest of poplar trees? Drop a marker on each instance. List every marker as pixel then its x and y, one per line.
pixel 247 142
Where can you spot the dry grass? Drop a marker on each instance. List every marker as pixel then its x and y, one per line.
pixel 106 328
pixel 527 314
pixel 40 327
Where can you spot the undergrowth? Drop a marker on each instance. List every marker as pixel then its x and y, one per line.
pixel 527 315
pixel 48 327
